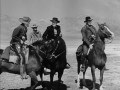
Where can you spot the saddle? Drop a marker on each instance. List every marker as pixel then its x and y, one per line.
pixel 79 51
pixel 10 55
pixel 15 59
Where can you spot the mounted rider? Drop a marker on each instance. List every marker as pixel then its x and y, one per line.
pixel 53 32
pixel 19 36
pixel 88 36
pixel 35 35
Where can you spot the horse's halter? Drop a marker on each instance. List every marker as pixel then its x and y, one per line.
pixel 52 55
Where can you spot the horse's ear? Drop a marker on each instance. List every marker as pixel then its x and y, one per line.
pixel 105 24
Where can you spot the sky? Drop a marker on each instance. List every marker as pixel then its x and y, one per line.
pixel 74 11
pixel 46 9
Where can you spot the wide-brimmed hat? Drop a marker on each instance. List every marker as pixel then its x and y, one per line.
pixel 34 26
pixel 88 18
pixel 55 20
pixel 25 20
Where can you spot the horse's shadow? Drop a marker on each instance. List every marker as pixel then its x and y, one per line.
pixel 46 84
pixel 89 84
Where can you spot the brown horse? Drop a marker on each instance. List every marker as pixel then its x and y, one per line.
pixel 54 56
pixel 96 57
pixel 32 68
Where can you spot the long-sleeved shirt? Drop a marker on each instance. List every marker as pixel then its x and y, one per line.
pixel 34 36
pixel 52 32
pixel 87 31
pixel 18 33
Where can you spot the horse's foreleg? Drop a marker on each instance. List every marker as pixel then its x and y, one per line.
pixel 60 73
pixel 93 76
pixel 41 75
pixel 101 77
pixel 78 71
pixel 51 78
pixel 34 80
pixel 84 82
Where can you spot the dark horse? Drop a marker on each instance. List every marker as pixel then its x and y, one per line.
pixel 33 67
pixel 96 57
pixel 54 56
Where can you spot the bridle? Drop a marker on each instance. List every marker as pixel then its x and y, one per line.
pixel 53 53
pixel 109 39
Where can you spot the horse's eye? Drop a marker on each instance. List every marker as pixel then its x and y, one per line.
pixel 102 28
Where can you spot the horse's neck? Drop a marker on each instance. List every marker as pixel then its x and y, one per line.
pixel 99 43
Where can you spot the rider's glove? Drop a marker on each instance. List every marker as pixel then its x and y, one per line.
pixel 21 41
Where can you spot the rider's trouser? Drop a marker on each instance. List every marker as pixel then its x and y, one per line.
pixel 18 50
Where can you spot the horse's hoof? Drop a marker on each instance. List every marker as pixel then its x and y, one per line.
pixel 81 87
pixel 61 82
pixel 45 88
pixel 101 88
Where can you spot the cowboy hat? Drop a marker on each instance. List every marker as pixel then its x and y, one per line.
pixel 25 20
pixel 55 20
pixel 88 18
pixel 34 26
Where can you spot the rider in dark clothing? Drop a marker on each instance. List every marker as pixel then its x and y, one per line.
pixel 88 34
pixel 53 32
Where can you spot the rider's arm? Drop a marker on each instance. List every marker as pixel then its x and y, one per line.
pixel 84 36
pixel 45 33
pixel 23 34
pixel 94 30
pixel 40 36
pixel 15 32
pixel 58 31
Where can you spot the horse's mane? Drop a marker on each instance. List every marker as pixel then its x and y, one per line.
pixel 33 53
pixel 38 42
pixel 99 42
pixel 62 42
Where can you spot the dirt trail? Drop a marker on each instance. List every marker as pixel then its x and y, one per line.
pixel 111 76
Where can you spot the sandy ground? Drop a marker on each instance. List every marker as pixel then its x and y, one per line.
pixel 111 76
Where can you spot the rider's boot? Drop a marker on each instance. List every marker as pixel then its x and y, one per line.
pixel 23 72
pixel 22 69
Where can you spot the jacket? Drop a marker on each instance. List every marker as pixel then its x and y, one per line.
pixel 18 33
pixel 50 32
pixel 87 31
pixel 34 36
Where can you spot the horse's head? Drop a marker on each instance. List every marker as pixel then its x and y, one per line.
pixel 104 32
pixel 50 45
pixel 39 45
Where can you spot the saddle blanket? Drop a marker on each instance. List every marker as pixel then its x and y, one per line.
pixel 11 56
